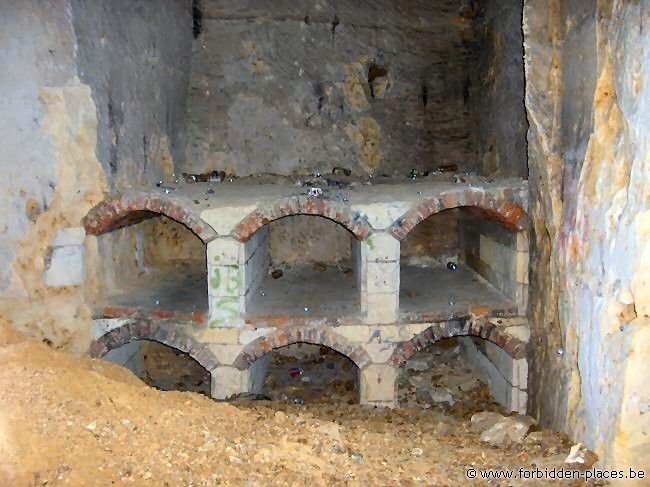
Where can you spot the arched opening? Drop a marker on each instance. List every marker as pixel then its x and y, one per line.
pixel 306 373
pixel 463 375
pixel 301 267
pixel 459 262
pixel 161 366
pixel 155 268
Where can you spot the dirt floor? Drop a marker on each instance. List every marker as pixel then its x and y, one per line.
pixel 67 421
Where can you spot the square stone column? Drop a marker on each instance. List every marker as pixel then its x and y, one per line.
pixel 378 385
pixel 228 381
pixel 378 274
pixel 226 290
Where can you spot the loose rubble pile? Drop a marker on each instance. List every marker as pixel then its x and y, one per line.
pixel 87 422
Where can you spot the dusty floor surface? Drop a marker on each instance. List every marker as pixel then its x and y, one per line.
pixel 66 421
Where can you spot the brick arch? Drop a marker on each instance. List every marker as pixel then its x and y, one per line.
pixel 301 334
pixel 126 209
pixel 438 331
pixel 165 333
pixel 504 209
pixel 302 205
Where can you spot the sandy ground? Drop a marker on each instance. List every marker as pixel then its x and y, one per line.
pixel 67 421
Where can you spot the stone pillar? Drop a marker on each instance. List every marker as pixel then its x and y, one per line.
pixel 226 259
pixel 379 278
pixel 378 385
pixel 228 381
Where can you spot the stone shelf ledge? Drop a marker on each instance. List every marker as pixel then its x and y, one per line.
pixel 238 209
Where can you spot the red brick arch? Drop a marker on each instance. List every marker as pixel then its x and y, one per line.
pixel 438 331
pixel 503 206
pixel 302 205
pixel 126 209
pixel 301 334
pixel 171 334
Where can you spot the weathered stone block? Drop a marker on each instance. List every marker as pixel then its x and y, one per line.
pixel 69 237
pixel 225 281
pixel 522 267
pixel 379 352
pixel 382 308
pixel 225 311
pixel 228 381
pixel 225 251
pixel 219 335
pixel 383 277
pixel 225 353
pixel 378 383
pixel 354 333
pixel 247 335
pixel 382 247
pixel 67 266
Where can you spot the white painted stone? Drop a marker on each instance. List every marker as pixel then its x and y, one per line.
pixel 382 215
pixel 225 353
pixel 354 333
pixel 225 218
pixel 247 335
pixel 383 277
pixel 382 308
pixel 378 383
pixel 382 247
pixel 523 244
pixel 73 236
pixel 225 281
pixel 67 266
pixel 225 251
pixel 379 352
pixel 226 311
pixel 228 381
pixel 522 267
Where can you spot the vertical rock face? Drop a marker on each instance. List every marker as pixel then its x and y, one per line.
pixel 94 98
pixel 590 174
pixel 283 86
pixel 496 91
pixel 135 56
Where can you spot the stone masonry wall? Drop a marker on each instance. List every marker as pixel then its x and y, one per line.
pixel 284 87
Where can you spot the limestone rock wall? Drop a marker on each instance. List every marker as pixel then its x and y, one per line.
pixel 284 86
pixel 135 56
pixel 589 176
pixel 497 89
pixel 64 148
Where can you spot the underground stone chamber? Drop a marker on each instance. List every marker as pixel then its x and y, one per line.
pixel 266 130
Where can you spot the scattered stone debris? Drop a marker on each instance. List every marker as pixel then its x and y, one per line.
pixel 452 266
pixel 581 457
pixel 508 430
pixel 485 420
